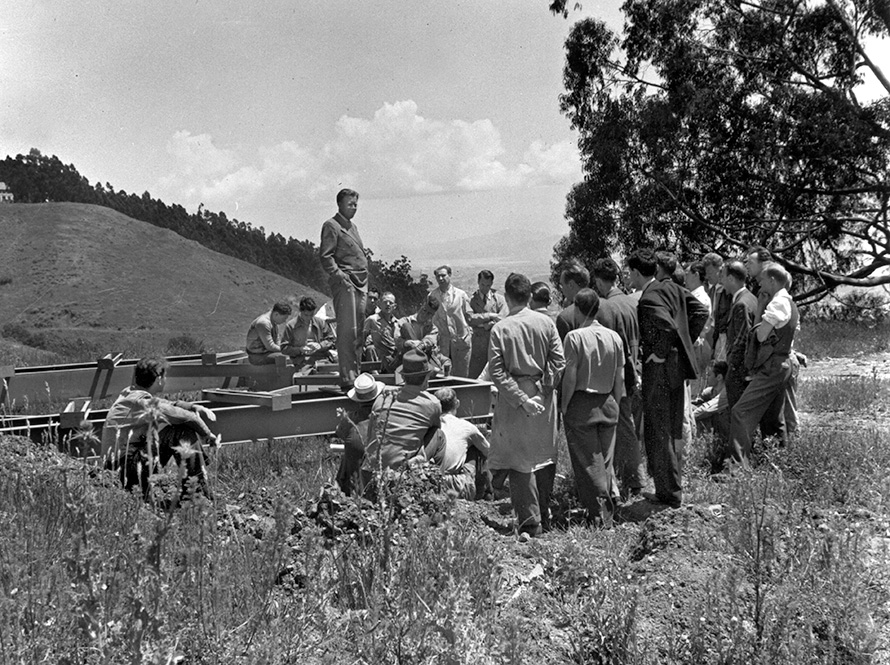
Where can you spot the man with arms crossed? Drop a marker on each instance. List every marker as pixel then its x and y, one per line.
pixel 525 360
pixel 344 259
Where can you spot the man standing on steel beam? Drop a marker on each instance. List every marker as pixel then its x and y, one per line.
pixel 344 259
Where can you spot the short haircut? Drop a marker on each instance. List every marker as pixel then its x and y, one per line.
pixel 721 368
pixel 573 271
pixel 698 268
pixel 307 304
pixel 485 274
pixel 607 270
pixel 147 372
pixel 776 272
pixel 667 261
pixel 736 269
pixel 679 275
pixel 445 267
pixel 643 261
pixel 518 288
pixel 540 293
pixel 712 259
pixel 346 194
pixel 448 399
pixel 587 302
pixel 282 307
pixel 431 303
pixel 388 293
pixel 760 252
pixel 374 289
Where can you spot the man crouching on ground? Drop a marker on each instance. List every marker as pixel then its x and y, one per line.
pixel 141 428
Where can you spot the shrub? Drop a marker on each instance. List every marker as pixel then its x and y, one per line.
pixel 184 345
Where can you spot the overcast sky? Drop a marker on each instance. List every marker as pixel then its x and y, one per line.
pixel 443 115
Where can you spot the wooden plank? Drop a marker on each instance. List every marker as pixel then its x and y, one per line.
pixel 271 400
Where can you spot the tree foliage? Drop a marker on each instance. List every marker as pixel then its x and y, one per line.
pixel 36 178
pixel 719 124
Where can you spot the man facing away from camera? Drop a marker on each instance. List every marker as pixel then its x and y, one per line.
pixel 592 387
pixel 525 360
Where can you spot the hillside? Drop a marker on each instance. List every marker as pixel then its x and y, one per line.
pixel 81 270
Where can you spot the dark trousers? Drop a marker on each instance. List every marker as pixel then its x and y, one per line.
pixel 628 456
pixel 264 358
pixel 349 307
pixel 664 398
pixel 763 401
pixel 590 424
pixel 173 440
pixel 530 497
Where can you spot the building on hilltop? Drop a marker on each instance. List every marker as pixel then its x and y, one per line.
pixel 6 195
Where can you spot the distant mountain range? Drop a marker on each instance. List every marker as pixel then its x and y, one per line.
pixel 85 270
pixel 502 252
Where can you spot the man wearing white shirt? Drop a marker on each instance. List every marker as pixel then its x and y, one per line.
pixel 452 319
pixel 768 364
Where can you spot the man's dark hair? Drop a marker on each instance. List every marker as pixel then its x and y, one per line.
pixel 721 367
pixel 307 304
pixel 679 276
pixel 607 270
pixel 147 372
pixel 667 261
pixel 445 267
pixel 282 307
pixel 346 194
pixel 698 268
pixel 712 259
pixel 573 271
pixel 484 274
pixel 540 294
pixel 374 289
pixel 518 288
pixel 643 261
pixel 448 399
pixel 737 269
pixel 760 252
pixel 587 302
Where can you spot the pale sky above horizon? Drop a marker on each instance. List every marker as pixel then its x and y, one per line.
pixel 443 115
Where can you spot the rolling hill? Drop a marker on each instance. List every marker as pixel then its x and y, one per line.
pixel 88 272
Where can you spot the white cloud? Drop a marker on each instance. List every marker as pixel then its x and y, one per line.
pixel 395 153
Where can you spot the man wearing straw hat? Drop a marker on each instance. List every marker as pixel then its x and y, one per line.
pixel 352 430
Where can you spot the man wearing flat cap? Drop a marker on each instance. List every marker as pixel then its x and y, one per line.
pixel 405 421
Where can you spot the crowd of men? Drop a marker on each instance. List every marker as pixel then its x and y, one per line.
pixel 628 368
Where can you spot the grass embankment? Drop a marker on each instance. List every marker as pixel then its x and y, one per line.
pixel 787 564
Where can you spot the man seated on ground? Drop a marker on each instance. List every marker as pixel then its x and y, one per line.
pixel 403 421
pixel 352 430
pixel 308 337
pixel 462 457
pixel 141 429
pixel 380 334
pixel 263 338
pixel 418 331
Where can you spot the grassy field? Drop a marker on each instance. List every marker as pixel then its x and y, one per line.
pixel 786 564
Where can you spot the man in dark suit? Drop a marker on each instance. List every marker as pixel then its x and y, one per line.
pixel 670 318
pixel 618 312
pixel 742 313
pixel 572 279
